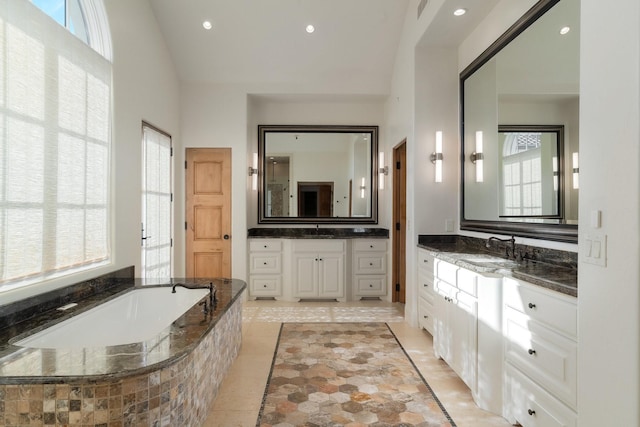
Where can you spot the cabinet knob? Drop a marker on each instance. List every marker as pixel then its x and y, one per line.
pixel 425 316
pixel 265 263
pixel 531 305
pixel 531 351
pixel 370 285
pixel 371 246
pixel 426 260
pixel 264 286
pixel 531 412
pixel 426 285
pixel 265 246
pixel 370 263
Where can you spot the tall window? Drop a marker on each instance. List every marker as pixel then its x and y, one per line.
pixel 522 174
pixel 55 117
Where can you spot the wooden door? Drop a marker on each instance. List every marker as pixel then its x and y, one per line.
pixel 400 222
pixel 208 216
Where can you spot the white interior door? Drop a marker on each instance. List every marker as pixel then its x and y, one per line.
pixel 156 234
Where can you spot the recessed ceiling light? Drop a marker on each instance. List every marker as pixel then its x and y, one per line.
pixel 565 30
pixel 207 25
pixel 310 28
pixel 459 12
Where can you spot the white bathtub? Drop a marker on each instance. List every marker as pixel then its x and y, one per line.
pixel 136 316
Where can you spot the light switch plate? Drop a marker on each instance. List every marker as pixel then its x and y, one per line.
pixel 594 249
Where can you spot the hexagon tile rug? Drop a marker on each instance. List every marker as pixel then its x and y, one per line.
pixel 346 374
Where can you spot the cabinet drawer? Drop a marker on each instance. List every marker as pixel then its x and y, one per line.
pixel 265 245
pixel 370 285
pixel 551 308
pixel 265 263
pixel 447 272
pixel 425 315
pixel 265 286
pixel 377 245
pixel 425 261
pixel 531 406
pixel 468 281
pixel 318 245
pixel 370 264
pixel 547 357
pixel 425 288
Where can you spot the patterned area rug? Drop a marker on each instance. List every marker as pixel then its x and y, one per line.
pixel 346 374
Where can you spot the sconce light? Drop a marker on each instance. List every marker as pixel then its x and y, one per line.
pixel 382 170
pixel 436 157
pixel 362 188
pixel 554 164
pixel 253 172
pixel 576 172
pixel 477 157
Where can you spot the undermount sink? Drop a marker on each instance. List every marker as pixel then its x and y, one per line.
pixel 489 261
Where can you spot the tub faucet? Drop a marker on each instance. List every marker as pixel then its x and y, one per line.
pixel 212 291
pixel 511 240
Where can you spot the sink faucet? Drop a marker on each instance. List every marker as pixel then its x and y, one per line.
pixel 511 240
pixel 212 292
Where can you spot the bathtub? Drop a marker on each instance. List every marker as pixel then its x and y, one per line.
pixel 136 316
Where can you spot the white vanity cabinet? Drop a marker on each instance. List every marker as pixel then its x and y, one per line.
pixel 426 292
pixel 318 268
pixel 467 330
pixel 265 267
pixel 369 267
pixel 540 341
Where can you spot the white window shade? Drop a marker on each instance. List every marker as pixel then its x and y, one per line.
pixel 55 116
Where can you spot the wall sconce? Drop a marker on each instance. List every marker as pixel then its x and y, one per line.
pixel 362 188
pixel 382 170
pixel 436 157
pixel 576 172
pixel 253 172
pixel 477 157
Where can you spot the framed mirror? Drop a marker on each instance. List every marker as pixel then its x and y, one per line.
pixel 520 128
pixel 317 174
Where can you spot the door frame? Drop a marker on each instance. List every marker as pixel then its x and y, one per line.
pixel 399 225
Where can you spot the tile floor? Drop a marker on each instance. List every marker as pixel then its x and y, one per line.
pixel 240 396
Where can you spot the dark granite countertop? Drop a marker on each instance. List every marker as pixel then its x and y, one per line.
pixel 20 365
pixel 554 276
pixel 319 233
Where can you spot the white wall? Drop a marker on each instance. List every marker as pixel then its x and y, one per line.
pixel 609 297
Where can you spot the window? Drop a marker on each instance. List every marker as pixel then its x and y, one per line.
pixel 522 174
pixel 55 131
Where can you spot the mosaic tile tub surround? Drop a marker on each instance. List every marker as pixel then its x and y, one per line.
pixel 130 392
pixel 353 374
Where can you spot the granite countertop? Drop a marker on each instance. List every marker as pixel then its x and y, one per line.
pixel 319 233
pixel 551 276
pixel 21 365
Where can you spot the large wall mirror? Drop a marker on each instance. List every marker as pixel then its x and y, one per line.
pixel 317 174
pixel 520 132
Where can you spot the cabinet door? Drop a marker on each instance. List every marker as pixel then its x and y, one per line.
pixel 305 275
pixel 331 275
pixel 464 342
pixel 442 306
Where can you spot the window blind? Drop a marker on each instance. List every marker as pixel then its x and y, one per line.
pixel 55 120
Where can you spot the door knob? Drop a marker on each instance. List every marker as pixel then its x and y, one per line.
pixel 226 237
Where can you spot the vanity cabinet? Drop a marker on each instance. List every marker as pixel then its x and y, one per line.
pixel 318 268
pixel 369 268
pixel 467 311
pixel 456 313
pixel 265 267
pixel 425 290
pixel 540 341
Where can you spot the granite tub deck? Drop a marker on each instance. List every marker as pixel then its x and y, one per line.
pixel 548 268
pixel 170 379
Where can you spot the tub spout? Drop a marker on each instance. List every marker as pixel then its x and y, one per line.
pixel 212 291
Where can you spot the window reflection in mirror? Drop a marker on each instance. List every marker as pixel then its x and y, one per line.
pixel 317 174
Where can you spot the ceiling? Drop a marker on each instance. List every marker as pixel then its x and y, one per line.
pixel 265 42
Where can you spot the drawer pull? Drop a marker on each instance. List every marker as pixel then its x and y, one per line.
pixel 265 246
pixel 370 263
pixel 425 316
pixel 426 285
pixel 265 263
pixel 371 246
pixel 531 351
pixel 532 306
pixel 426 260
pixel 370 285
pixel 531 412
pixel 264 286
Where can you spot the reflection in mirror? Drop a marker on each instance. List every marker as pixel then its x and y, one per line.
pixel 530 166
pixel 529 77
pixel 317 174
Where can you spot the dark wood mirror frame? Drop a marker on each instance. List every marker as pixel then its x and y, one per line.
pixel 373 159
pixel 556 232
